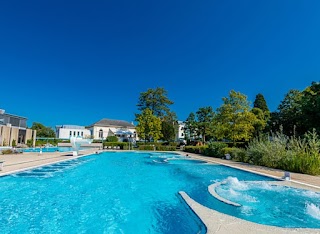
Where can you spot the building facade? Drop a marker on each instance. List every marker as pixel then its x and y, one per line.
pixel 180 133
pixel 104 128
pixel 67 131
pixel 13 130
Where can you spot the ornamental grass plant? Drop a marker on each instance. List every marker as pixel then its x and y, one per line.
pixel 296 154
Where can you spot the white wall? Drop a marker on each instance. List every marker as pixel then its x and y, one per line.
pixel 181 133
pixel 106 131
pixel 64 133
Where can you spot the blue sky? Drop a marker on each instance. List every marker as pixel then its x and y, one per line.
pixel 75 62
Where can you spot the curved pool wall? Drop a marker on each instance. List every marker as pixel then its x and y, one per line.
pixel 119 191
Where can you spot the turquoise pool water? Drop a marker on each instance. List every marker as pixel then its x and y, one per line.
pixel 123 193
pixel 49 149
pixel 263 201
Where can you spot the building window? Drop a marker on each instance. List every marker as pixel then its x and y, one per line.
pixel 78 133
pixel 182 134
pixel 74 133
pixel 82 134
pixel 100 133
pixel 70 133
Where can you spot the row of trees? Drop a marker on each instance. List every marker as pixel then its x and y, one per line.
pixel 235 120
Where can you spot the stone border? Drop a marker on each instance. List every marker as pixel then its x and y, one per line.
pixel 212 191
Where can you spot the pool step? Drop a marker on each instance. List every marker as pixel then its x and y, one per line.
pixel 48 171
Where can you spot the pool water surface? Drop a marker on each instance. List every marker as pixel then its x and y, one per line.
pixel 129 192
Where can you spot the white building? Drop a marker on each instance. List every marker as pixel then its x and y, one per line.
pixel 180 134
pixel 67 131
pixel 108 127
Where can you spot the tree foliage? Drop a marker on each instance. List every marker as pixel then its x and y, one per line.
pixel 190 126
pixel 261 122
pixel 112 139
pixel 310 107
pixel 169 127
pixel 234 120
pixel 156 100
pixel 43 131
pixel 149 126
pixel 205 117
pixel 260 103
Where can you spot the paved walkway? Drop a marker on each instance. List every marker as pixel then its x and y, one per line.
pixel 295 177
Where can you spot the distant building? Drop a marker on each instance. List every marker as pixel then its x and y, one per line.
pixel 14 128
pixel 180 134
pixel 67 131
pixel 109 127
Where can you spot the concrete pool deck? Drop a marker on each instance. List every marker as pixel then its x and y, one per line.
pixel 18 162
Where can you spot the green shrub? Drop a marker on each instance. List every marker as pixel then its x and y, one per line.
pixel 227 150
pixel 50 141
pixel 112 139
pixel 122 145
pixel 195 149
pixel 157 147
pixel 214 149
pixel 29 143
pixel 239 155
pixel 14 143
pixel 288 153
pixel 7 151
pixel 146 147
pixel 166 148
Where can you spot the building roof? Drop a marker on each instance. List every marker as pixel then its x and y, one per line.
pixel 70 126
pixel 112 122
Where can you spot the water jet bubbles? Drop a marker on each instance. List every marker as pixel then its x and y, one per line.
pixel 313 210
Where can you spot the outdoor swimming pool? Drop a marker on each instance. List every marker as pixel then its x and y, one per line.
pixel 134 192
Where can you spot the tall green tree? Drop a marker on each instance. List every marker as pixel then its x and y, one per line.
pixel 190 126
pixel 261 121
pixel 169 127
pixel 234 120
pixel 205 117
pixel 156 100
pixel 149 126
pixel 310 107
pixel 261 103
pixel 43 131
pixel 290 113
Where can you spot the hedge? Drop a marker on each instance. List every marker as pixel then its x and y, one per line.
pixel 157 147
pixel 122 145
